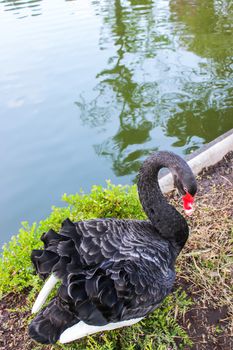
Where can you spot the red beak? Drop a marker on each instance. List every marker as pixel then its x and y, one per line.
pixel 188 201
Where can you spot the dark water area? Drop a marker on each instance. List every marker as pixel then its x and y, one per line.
pixel 90 88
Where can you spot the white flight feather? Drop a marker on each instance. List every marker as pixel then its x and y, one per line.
pixel 81 329
pixel 42 296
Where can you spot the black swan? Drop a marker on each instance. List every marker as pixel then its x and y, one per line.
pixel 113 272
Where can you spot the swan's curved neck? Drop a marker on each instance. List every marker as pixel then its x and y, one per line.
pixel 166 219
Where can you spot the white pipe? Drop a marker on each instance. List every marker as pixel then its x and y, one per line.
pixel 208 157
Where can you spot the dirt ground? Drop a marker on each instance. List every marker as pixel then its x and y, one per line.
pixel 209 321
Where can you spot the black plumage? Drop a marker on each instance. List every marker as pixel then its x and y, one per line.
pixel 113 270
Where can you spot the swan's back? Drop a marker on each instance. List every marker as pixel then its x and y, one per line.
pixel 111 271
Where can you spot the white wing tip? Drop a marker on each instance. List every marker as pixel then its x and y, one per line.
pixel 35 308
pixel 42 296
pixel 65 338
pixel 81 329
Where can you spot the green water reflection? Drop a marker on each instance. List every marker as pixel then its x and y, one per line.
pixel 171 71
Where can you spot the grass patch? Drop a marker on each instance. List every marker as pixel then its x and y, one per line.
pixel 207 259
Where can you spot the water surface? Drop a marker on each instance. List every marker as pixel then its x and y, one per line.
pixel 90 88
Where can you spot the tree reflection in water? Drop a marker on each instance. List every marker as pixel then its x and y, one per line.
pixel 120 94
pixel 170 71
pixel 208 34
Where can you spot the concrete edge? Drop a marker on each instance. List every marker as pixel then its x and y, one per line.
pixel 206 156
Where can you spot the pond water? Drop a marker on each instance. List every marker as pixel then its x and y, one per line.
pixel 90 88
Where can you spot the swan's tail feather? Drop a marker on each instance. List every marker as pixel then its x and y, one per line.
pixel 48 325
pixel 44 261
pixel 60 250
pixel 58 256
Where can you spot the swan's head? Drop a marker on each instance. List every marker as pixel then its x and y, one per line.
pixel 187 187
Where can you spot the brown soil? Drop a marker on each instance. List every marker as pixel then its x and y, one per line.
pixel 209 321
pixel 13 324
pixel 209 326
pixel 206 328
